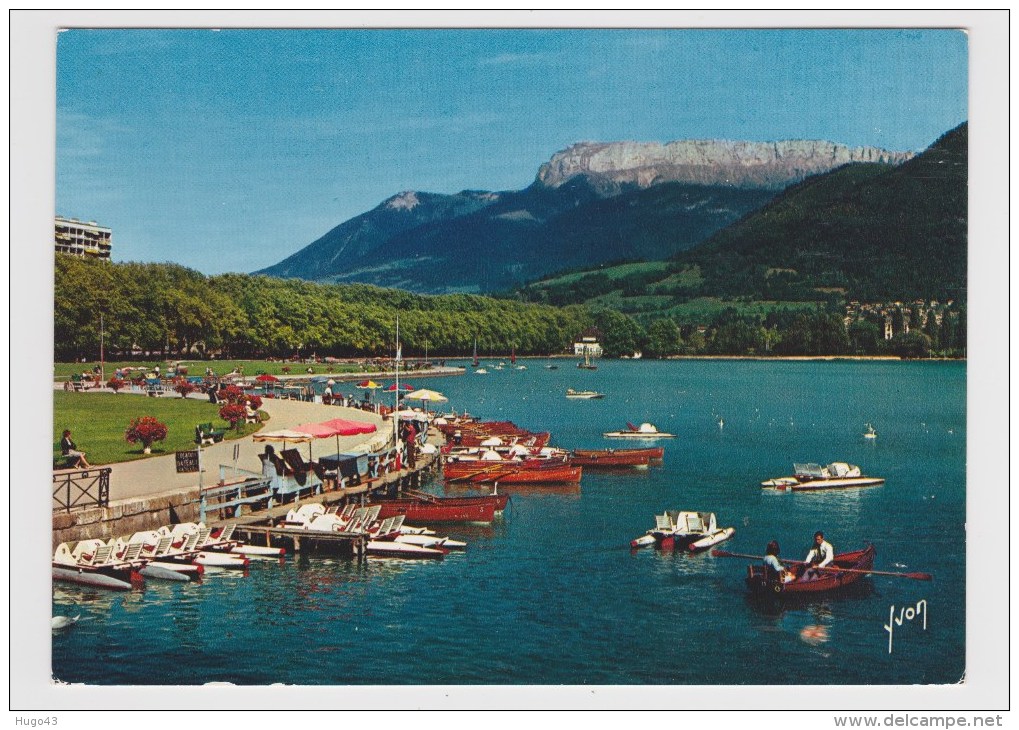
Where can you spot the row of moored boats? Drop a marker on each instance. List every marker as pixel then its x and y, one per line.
pixel 499 452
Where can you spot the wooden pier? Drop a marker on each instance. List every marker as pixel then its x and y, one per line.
pixel 261 527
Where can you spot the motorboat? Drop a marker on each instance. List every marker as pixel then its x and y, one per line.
pixel 644 431
pixel 686 531
pixel 583 394
pixel 837 475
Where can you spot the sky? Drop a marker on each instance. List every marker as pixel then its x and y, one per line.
pixel 229 150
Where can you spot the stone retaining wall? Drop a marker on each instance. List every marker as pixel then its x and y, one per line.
pixel 126 516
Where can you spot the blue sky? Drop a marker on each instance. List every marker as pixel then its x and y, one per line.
pixel 229 150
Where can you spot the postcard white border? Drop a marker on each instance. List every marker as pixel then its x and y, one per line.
pixel 32 100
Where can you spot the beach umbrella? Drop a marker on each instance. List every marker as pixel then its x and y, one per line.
pixel 282 436
pixel 399 390
pixel 345 427
pixel 266 378
pixel 319 379
pixel 427 396
pixel 336 427
pixel 368 385
pixel 315 431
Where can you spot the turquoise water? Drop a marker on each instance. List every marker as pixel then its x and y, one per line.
pixel 552 594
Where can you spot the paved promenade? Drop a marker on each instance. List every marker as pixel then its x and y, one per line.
pixel 158 474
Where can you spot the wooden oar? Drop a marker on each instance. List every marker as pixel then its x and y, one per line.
pixel 913 576
pixel 479 472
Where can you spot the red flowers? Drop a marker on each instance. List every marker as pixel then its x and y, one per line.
pixel 145 430
pixel 232 412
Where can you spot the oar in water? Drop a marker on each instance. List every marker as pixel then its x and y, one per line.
pixel 913 576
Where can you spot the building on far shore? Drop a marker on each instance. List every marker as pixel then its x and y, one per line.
pixel 588 344
pixel 86 240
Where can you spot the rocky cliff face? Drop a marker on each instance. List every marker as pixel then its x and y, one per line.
pixel 771 165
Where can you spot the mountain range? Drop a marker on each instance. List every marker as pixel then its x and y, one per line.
pixel 589 205
pixel 870 232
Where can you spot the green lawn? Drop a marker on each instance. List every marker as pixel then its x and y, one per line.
pixel 98 422
pixel 613 272
pixel 64 370
pixel 704 309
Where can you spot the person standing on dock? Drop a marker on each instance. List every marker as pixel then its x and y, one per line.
pixel 411 445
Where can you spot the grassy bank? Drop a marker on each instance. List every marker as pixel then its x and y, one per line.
pixel 98 422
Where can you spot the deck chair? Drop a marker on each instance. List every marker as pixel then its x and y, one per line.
pixel 203 536
pixel 190 543
pixel 333 509
pixel 162 547
pixel 383 528
pixel 132 552
pixel 356 519
pixel 227 533
pixel 102 555
pixel 663 522
pixel 694 523
pixel 298 467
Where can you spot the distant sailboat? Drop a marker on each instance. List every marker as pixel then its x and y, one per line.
pixel 475 363
pixel 513 356
pixel 586 365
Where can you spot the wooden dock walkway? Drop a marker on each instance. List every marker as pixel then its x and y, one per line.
pixel 261 527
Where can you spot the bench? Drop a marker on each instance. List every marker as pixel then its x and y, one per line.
pixel 60 461
pixel 206 434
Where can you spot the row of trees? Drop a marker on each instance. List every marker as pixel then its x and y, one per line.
pixel 169 310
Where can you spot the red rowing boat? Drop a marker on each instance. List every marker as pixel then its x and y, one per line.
pixel 457 509
pixel 654 453
pixel 481 472
pixel 609 458
pixel 854 565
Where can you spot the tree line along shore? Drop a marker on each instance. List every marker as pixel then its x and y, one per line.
pixel 166 311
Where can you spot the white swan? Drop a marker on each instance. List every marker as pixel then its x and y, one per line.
pixel 63 622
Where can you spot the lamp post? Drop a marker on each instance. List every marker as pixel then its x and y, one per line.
pixel 102 358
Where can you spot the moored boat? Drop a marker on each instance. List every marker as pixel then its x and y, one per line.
pixel 689 531
pixel 644 431
pixel 451 509
pixel 844 570
pixel 91 563
pixel 537 471
pixel 583 394
pixel 394 549
pixel 608 458
pixel 654 453
pixel 837 475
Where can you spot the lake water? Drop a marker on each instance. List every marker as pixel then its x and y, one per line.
pixel 552 594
